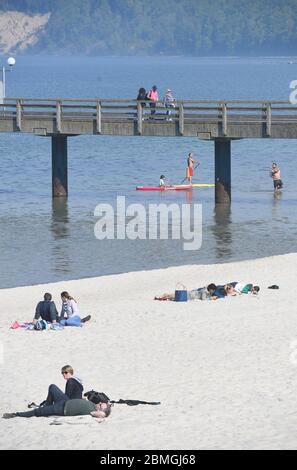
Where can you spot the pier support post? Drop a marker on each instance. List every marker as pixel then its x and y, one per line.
pixel 223 171
pixel 59 166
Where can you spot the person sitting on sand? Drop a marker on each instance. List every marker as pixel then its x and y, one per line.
pixel 73 388
pixel 70 311
pixel 62 406
pixel 46 309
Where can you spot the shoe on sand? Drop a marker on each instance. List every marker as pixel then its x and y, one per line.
pixel 32 405
pixel 9 415
pixel 87 318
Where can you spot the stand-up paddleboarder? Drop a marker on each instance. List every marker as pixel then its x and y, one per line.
pixel 190 166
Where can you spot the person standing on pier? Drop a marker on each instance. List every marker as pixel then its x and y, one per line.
pixel 153 97
pixel 190 167
pixel 276 176
pixel 169 103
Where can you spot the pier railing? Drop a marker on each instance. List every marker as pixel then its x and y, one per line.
pixel 185 112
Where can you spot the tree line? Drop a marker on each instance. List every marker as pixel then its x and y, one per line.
pixel 178 27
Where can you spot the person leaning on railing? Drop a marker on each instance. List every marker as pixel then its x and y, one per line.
pixel 141 96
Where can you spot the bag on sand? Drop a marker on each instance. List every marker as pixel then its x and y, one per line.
pixel 181 293
pixel 100 397
pixel 41 325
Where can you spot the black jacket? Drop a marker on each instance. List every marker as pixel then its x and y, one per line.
pixel 73 388
pixel 46 309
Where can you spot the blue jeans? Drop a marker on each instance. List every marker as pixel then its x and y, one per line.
pixel 72 321
pixel 57 409
pixel 54 395
pixel 54 405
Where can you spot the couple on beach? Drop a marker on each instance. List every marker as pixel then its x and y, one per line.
pixel 47 311
pixel 70 403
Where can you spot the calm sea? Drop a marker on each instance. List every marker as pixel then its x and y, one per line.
pixel 42 240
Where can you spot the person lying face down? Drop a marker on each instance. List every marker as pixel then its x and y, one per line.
pixel 216 292
pixel 211 292
pixel 231 289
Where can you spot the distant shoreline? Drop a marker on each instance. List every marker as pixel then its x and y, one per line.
pixel 143 56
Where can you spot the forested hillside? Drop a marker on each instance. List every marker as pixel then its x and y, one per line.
pixel 187 27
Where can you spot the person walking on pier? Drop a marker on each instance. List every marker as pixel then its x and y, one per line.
pixel 190 167
pixel 276 176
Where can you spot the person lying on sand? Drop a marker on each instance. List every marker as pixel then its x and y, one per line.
pixel 234 288
pixel 242 288
pixel 211 292
pixel 230 291
pixel 65 407
pixel 214 292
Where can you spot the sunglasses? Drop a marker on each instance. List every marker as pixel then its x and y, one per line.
pixel 64 373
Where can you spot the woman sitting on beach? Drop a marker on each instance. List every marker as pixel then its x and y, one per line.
pixel 73 389
pixel 70 311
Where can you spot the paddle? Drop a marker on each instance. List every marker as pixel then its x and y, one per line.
pixel 198 163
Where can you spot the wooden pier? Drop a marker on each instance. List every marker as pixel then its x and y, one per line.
pixel 219 121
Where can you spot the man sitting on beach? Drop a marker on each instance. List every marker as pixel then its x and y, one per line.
pixel 46 309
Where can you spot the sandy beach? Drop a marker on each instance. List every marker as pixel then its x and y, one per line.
pixel 222 370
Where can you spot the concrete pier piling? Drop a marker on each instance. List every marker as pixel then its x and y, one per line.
pixel 59 166
pixel 223 171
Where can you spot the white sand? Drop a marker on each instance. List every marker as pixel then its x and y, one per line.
pixel 222 369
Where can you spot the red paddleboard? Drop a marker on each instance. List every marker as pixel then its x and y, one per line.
pixel 173 187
